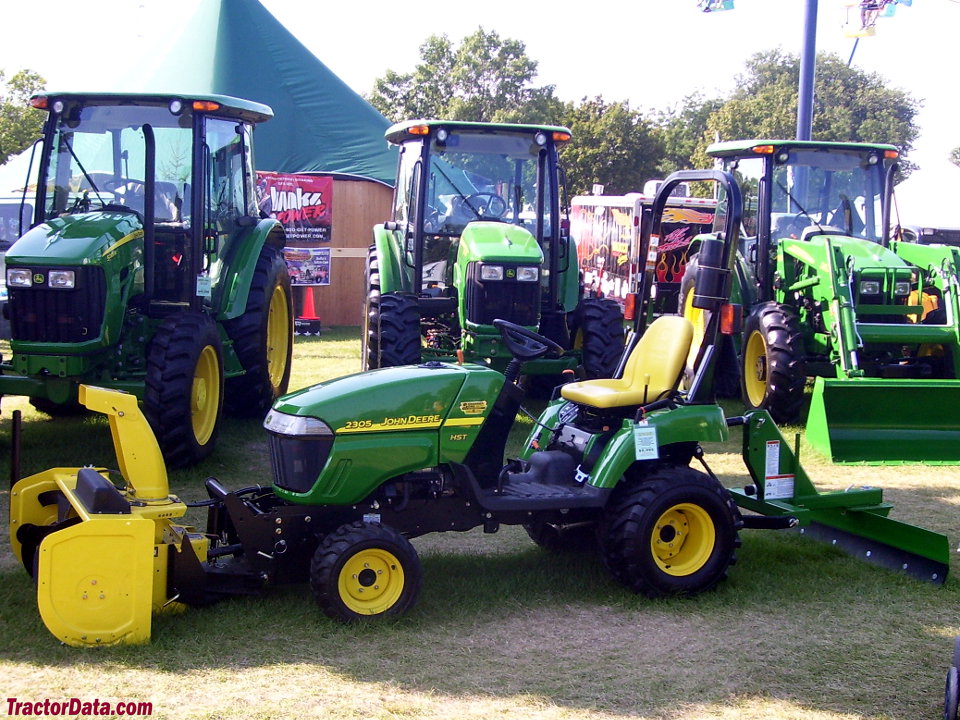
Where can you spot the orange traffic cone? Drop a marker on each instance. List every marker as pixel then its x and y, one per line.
pixel 308 322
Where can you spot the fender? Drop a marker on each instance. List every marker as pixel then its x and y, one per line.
pixel 387 244
pixel 238 264
pixel 690 423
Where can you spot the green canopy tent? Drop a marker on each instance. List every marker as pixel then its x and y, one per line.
pixel 236 47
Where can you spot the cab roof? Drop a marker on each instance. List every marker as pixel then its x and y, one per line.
pixel 733 148
pixel 401 132
pixel 225 105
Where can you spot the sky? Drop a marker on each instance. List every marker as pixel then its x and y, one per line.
pixel 651 53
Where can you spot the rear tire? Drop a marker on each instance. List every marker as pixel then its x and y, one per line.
pixel 365 570
pixel 184 387
pixel 600 333
pixel 263 338
pixel 673 533
pixel 370 337
pixel 773 370
pixel 55 409
pixel 559 539
pixel 951 695
pixel 398 334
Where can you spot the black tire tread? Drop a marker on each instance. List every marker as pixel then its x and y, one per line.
pixel 253 393
pixel 624 547
pixel 171 361
pixel 325 567
pixel 786 366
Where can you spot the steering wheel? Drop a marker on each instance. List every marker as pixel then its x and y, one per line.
pixel 487 204
pixel 525 344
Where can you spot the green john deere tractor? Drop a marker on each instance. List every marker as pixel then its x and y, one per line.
pixel 365 462
pixel 479 233
pixel 148 268
pixel 828 296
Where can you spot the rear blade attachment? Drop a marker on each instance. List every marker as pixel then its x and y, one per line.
pixel 855 520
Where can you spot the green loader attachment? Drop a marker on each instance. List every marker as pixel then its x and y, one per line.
pixel 828 296
pixel 895 396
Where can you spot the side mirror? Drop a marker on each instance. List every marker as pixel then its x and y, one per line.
pixel 711 275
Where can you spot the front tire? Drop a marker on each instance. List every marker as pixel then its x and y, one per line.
pixel 365 570
pixel 184 387
pixel 398 332
pixel 263 338
pixel 773 371
pixel 673 533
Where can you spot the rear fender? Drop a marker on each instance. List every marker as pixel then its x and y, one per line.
pixel 233 272
pixel 649 439
pixel 389 248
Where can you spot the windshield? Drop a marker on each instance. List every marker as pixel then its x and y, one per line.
pixel 838 191
pixel 484 176
pixel 98 161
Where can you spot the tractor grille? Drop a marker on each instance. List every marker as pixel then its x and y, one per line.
pixel 43 314
pixel 297 461
pixel 508 299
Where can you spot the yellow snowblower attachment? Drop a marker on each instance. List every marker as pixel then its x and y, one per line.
pixel 99 554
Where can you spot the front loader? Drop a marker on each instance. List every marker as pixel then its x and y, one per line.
pixel 479 232
pixel 363 463
pixel 148 268
pixel 828 296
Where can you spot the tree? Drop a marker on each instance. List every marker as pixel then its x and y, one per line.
pixel 849 105
pixel 485 79
pixel 681 129
pixel 20 123
pixel 612 145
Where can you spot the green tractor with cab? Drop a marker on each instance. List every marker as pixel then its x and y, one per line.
pixel 363 463
pixel 479 232
pixel 148 267
pixel 828 296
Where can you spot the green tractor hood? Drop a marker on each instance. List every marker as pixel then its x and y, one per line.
pixel 865 253
pixel 88 239
pixel 384 423
pixel 84 244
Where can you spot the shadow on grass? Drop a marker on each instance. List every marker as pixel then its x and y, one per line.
pixel 499 618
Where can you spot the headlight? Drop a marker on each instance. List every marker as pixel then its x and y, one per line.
pixel 62 279
pixel 298 425
pixel 901 288
pixel 528 274
pixel 19 277
pixel 869 287
pixel 491 272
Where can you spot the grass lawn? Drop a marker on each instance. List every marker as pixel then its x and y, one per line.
pixel 798 631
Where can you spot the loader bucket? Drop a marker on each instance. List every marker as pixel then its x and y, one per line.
pixel 886 421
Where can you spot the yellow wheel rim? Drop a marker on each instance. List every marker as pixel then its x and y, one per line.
pixel 278 337
pixel 205 395
pixel 371 581
pixel 698 319
pixel 755 369
pixel 683 539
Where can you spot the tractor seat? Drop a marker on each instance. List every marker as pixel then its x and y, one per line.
pixel 653 369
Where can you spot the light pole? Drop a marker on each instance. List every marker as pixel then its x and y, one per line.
pixel 808 64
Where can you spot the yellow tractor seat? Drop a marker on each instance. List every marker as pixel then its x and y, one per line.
pixel 653 369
